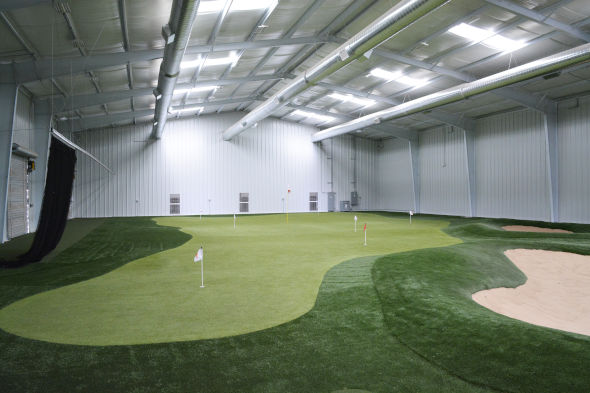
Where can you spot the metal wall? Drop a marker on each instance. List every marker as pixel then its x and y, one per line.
pixel 574 160
pixel 192 160
pixel 23 132
pixel 443 172
pixel 394 182
pixel 511 167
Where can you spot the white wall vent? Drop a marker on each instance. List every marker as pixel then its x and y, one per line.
pixel 313 201
pixel 174 203
pixel 244 201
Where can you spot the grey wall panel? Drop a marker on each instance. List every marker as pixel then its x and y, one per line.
pixel 192 160
pixel 511 167
pixel 23 122
pixel 574 161
pixel 443 174
pixel 394 176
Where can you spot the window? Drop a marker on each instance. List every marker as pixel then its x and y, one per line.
pixel 174 203
pixel 244 198
pixel 313 201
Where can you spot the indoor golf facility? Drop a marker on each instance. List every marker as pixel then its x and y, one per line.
pixel 331 196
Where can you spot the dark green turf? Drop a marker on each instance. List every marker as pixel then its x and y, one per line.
pixel 342 344
pixel 426 299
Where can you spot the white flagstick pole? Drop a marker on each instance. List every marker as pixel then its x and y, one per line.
pixel 355 219
pixel 200 214
pixel 202 276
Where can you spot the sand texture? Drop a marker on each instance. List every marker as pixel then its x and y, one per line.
pixel 556 294
pixel 526 228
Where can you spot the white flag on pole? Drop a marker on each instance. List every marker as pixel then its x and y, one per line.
pixel 199 256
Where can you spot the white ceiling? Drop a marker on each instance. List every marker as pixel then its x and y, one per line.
pixel 43 32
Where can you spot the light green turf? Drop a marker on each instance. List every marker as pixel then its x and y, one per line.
pixel 261 274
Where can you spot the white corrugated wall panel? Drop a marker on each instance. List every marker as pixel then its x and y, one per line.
pixel 192 160
pixel 23 133
pixel 443 172
pixel 511 167
pixel 394 172
pixel 574 161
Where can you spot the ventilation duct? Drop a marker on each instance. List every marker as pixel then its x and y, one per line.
pixel 530 70
pixel 176 34
pixel 397 18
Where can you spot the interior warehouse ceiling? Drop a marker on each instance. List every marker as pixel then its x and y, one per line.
pixel 97 62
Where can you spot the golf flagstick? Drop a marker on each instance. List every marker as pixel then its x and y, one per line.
pixel 411 214
pixel 199 258
pixel 202 276
pixel 355 220
pixel 365 229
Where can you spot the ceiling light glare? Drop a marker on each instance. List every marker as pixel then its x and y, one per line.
pixel 383 74
pixel 314 116
pixel 215 6
pixel 231 59
pixel 191 63
pixel 195 89
pixel 486 37
pixel 398 77
pixel 406 80
pixel 187 109
pixel 352 99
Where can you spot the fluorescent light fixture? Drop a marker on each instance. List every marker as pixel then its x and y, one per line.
pixel 231 59
pixel 406 80
pixel 398 77
pixel 387 75
pixel 352 99
pixel 486 37
pixel 314 116
pixel 187 109
pixel 195 89
pixel 214 6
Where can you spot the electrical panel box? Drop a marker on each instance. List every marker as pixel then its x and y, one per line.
pixel 354 198
pixel 331 201
pixel 345 206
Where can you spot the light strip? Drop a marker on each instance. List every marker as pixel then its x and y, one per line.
pixel 315 116
pixel 231 59
pixel 195 89
pixel 398 77
pixel 486 37
pixel 188 109
pixel 214 6
pixel 350 98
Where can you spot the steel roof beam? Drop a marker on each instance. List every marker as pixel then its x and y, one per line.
pixel 7 5
pixel 100 121
pixel 520 96
pixel 30 71
pixel 540 18
pixel 66 104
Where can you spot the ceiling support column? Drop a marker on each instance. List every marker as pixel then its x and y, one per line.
pixel 551 135
pixel 469 145
pixel 41 140
pixel 415 165
pixel 8 97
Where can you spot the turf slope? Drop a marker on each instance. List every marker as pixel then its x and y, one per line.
pixel 261 274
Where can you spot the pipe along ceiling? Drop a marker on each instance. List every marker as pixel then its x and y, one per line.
pixel 397 18
pixel 530 70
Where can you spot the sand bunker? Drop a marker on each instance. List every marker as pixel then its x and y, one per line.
pixel 526 228
pixel 555 295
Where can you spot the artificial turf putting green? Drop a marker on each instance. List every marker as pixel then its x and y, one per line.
pixel 261 274
pixel 417 333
